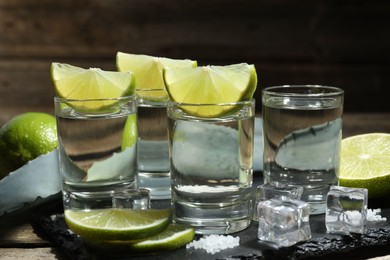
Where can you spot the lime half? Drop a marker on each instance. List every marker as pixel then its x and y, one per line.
pixel 77 83
pixel 117 224
pixel 148 72
pixel 211 85
pixel 365 163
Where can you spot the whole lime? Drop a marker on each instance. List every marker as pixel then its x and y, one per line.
pixel 25 137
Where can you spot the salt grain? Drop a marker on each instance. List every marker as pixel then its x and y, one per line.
pixel 375 215
pixel 214 243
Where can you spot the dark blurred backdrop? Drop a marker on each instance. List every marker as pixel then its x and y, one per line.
pixel 343 43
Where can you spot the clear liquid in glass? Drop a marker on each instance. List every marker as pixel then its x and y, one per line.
pixel 153 158
pixel 93 162
pixel 211 171
pixel 302 145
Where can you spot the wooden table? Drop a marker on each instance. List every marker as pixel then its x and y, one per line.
pixel 18 240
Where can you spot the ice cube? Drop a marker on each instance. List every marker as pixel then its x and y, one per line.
pixel 346 210
pixel 275 189
pixel 131 199
pixel 283 221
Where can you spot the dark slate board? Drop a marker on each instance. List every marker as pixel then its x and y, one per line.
pixel 322 245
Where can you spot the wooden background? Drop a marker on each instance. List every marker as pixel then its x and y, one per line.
pixel 343 43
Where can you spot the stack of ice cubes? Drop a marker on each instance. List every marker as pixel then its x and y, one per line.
pixel 346 210
pixel 283 218
pixel 283 221
pixel 271 190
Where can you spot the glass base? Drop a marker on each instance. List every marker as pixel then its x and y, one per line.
pixel 87 200
pixel 316 196
pixel 158 184
pixel 213 218
pixel 86 197
pixel 216 227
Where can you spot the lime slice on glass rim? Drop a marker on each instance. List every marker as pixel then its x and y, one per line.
pixel 211 85
pixel 117 224
pixel 365 163
pixel 148 73
pixel 75 83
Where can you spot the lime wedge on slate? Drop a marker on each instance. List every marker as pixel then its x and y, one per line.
pixel 148 72
pixel 211 85
pixel 365 163
pixel 73 82
pixel 174 236
pixel 117 224
pixel 171 238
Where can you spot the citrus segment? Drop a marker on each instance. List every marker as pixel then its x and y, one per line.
pixel 211 85
pixel 117 224
pixel 174 236
pixel 77 83
pixel 365 163
pixel 130 133
pixel 148 72
pixel 171 238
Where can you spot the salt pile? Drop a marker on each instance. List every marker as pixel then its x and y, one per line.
pixel 375 215
pixel 214 243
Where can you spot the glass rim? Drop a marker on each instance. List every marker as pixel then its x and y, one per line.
pixel 244 102
pixel 62 99
pixel 332 91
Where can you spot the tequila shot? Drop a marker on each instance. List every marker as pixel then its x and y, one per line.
pixel 153 155
pixel 97 150
pixel 212 166
pixel 302 127
pixel 152 98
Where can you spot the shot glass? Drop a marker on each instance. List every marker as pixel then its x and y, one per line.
pixel 97 150
pixel 153 155
pixel 302 126
pixel 212 166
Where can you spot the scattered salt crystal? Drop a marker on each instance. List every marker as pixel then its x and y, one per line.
pixel 214 243
pixel 375 215
pixel 354 217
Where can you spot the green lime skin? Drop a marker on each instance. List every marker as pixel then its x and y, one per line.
pixel 24 138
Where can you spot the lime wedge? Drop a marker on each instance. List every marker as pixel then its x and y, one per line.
pixel 148 72
pixel 365 163
pixel 117 224
pixel 171 238
pixel 73 82
pixel 130 133
pixel 211 85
